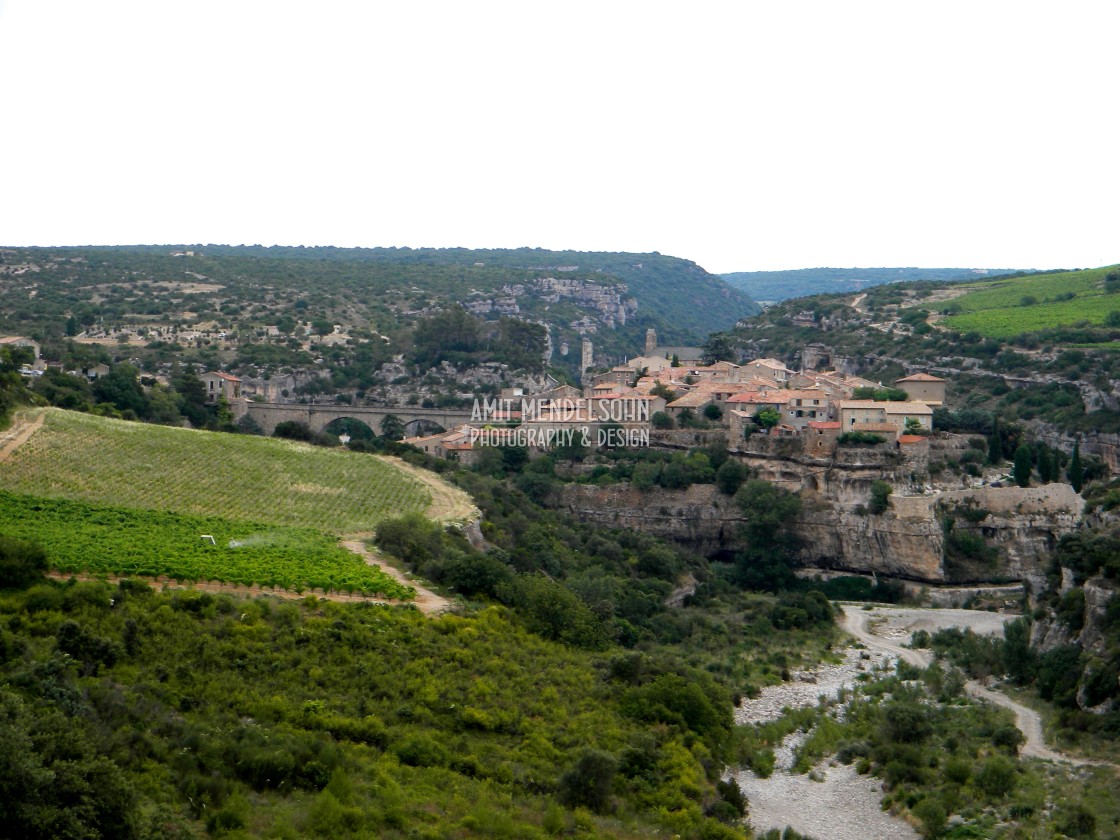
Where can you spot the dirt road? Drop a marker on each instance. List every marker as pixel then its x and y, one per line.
pixel 426 601
pixel 24 425
pixel 899 623
pixel 449 503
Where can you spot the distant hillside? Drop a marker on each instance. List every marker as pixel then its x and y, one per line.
pixel 802 282
pixel 614 297
pixel 676 296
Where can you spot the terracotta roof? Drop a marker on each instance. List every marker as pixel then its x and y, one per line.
pixel 908 439
pixel 223 375
pixel 824 424
pixel 920 377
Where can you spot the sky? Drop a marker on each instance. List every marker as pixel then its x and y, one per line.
pixel 742 135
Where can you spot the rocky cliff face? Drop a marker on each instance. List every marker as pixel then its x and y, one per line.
pixel 908 541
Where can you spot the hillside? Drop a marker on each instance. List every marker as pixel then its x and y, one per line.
pixel 782 285
pixel 262 308
pixel 1038 349
pixel 1018 306
pixel 96 459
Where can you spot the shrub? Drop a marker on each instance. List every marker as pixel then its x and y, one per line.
pixel 860 439
pixel 880 497
pixel 931 812
pixel 21 563
pixel 996 777
pixel 588 783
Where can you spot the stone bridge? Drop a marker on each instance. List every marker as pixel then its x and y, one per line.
pixel 317 417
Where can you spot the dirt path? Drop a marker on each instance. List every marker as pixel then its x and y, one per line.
pixel 426 601
pixel 24 425
pixel 449 503
pixel 902 622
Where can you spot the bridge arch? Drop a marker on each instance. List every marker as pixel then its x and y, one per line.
pixel 352 426
pixel 318 417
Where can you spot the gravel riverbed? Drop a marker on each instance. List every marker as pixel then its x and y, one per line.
pixel 843 805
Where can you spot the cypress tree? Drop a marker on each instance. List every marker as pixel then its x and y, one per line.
pixel 1076 471
pixel 995 445
pixel 1023 464
pixel 1047 466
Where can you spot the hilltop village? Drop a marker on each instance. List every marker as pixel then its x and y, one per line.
pixel 667 390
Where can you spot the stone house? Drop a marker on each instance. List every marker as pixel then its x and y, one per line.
pixel 922 387
pixel 20 341
pixel 856 412
pixel 820 437
pixel 770 369
pixel 221 384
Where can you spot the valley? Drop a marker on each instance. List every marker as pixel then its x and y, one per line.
pixel 396 630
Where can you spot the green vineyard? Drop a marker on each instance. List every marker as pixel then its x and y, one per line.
pixel 1007 308
pixel 83 457
pixel 82 537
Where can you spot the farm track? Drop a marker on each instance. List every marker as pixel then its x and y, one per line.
pixel 449 503
pixel 24 425
pixel 426 601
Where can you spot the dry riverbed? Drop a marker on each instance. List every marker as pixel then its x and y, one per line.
pixel 843 805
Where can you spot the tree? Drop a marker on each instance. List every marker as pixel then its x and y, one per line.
pixel 913 426
pixel 1076 470
pixel 71 326
pixel 661 420
pixel 768 560
pixel 588 783
pixel 121 388
pixel 768 418
pixel 21 563
pixel 392 427
pixel 730 476
pixel 995 444
pixel 1022 466
pixel 713 411
pixel 676 361
pixel 718 348
pixel 880 497
pixel 1047 466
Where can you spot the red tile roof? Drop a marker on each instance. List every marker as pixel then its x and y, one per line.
pixel 907 439
pixel 920 377
pixel 824 424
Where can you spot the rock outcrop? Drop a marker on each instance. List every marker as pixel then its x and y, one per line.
pixel 908 541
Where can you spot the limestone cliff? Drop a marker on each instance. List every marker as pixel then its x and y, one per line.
pixel 908 541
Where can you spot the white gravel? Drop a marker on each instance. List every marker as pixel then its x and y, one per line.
pixel 844 805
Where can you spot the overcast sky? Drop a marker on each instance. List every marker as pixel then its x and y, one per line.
pixel 744 136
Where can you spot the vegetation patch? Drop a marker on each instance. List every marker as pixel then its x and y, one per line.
pixel 120 541
pixel 1007 308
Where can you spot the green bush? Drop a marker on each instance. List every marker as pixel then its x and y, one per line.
pixel 21 563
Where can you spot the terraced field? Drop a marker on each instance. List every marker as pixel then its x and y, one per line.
pixel 1003 308
pixel 261 480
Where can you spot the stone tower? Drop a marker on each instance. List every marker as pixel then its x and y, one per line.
pixel 651 341
pixel 588 359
